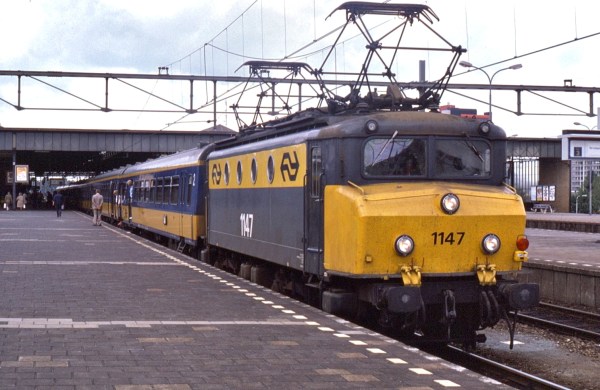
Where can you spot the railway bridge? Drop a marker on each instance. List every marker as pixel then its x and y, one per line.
pixel 50 155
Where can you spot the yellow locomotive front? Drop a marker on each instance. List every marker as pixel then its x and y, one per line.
pixel 430 228
pixel 428 234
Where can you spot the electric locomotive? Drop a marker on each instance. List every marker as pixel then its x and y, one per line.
pixel 402 214
pixel 374 206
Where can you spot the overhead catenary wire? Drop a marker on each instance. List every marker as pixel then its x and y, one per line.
pixel 301 52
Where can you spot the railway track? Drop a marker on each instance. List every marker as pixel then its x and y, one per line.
pixel 565 320
pixel 486 366
pixel 493 369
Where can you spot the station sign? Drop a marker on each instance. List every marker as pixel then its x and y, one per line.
pixel 580 145
pixel 22 173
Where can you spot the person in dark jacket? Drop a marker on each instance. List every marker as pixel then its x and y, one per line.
pixel 57 201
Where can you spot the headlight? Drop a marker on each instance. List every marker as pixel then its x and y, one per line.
pixel 490 244
pixel 371 126
pixel 450 203
pixel 485 127
pixel 404 245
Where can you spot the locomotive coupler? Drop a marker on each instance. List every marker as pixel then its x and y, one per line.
pixel 486 273
pixel 411 275
pixel 449 310
pixel 449 306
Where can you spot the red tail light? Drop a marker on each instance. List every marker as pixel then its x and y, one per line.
pixel 522 243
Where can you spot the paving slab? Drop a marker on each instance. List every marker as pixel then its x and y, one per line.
pixel 87 307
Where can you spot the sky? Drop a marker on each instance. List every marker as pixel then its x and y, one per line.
pixel 202 37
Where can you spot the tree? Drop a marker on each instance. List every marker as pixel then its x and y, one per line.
pixel 580 199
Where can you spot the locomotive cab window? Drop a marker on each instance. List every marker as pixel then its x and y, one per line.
pixel 394 156
pixel 462 158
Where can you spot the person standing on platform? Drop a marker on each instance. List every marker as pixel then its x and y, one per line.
pixel 97 201
pixel 8 201
pixel 20 201
pixel 57 201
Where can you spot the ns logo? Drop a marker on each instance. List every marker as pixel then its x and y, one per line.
pixel 216 174
pixel 289 166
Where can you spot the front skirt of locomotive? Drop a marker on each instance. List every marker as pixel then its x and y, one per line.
pixel 398 248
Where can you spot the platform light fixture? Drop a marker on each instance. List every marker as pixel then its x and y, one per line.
pixel 586 126
pixel 467 64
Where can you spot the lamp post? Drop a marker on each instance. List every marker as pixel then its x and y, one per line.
pixel 586 126
pixel 467 64
pixel 577 202
pixel 590 172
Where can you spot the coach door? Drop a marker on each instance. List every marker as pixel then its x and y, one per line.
pixel 313 224
pixel 113 201
pixel 121 199
pixel 187 215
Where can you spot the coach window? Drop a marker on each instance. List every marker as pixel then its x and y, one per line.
pixel 167 194
pixel 175 190
pixel 152 191
pixel 270 169
pixel 190 188
pixel 239 172
pixel 159 190
pixel 316 167
pixel 142 193
pixel 226 174
pixel 138 191
pixel 253 171
pixel 145 190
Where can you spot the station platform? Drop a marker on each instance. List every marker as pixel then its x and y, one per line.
pixel 87 307
pixel 564 258
pixel 589 223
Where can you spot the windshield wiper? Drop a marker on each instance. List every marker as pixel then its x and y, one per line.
pixel 383 148
pixel 473 148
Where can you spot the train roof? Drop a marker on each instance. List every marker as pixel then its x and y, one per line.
pixel 318 124
pixel 195 156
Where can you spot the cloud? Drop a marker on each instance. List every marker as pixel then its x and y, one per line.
pixel 137 36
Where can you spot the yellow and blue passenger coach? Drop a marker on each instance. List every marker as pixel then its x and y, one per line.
pixel 402 215
pixel 163 197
